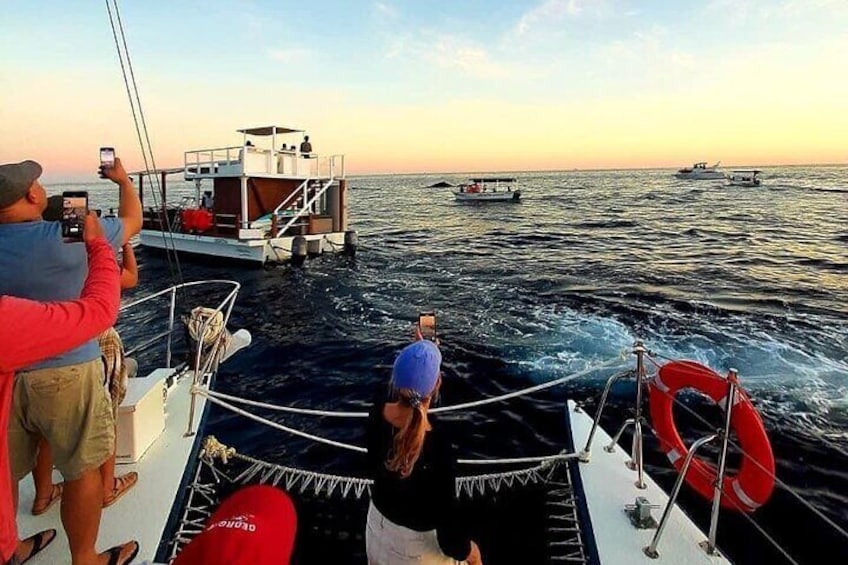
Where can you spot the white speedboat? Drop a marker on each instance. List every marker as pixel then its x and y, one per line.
pixel 744 177
pixel 488 189
pixel 700 171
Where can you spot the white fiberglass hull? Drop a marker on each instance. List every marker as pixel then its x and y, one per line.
pixel 700 175
pixel 513 196
pixel 251 250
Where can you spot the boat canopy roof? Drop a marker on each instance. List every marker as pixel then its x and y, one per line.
pixel 268 130
pixel 749 171
pixel 169 171
pixel 493 179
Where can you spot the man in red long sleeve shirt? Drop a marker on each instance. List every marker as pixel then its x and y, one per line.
pixel 32 331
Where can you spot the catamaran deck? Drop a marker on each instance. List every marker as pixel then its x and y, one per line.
pixel 608 486
pixel 142 513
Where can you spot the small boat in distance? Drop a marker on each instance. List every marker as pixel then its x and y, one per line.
pixel 488 189
pixel 744 177
pixel 700 171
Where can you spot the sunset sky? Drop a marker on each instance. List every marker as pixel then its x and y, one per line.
pixel 434 86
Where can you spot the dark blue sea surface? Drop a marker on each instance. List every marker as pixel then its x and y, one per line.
pixel 587 263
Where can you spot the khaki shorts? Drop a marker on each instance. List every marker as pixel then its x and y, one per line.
pixel 70 408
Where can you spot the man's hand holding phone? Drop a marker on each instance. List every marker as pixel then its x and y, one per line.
pixel 92 228
pixel 115 173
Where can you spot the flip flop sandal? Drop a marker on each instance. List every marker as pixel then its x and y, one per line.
pixel 122 485
pixel 39 507
pixel 115 554
pixel 38 543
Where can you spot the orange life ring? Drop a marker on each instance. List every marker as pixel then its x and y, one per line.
pixel 752 486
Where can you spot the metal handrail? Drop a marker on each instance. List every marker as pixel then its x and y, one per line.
pixel 651 550
pixel 306 205
pixel 289 198
pixel 229 299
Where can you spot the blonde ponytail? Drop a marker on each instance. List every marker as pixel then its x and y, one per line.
pixel 409 440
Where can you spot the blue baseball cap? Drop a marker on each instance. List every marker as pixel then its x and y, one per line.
pixel 417 367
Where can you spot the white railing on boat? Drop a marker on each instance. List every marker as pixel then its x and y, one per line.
pixel 199 366
pixel 227 303
pixel 248 160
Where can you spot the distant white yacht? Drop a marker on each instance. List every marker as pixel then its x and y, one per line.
pixel 700 171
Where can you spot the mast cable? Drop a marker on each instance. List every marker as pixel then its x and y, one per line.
pixel 172 265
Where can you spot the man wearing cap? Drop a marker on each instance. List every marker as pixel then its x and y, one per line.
pixel 64 399
pixel 413 516
pixel 51 328
pixel 256 525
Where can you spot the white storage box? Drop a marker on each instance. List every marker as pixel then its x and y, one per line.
pixel 141 416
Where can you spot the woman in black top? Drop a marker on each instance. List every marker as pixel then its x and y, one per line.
pixel 413 516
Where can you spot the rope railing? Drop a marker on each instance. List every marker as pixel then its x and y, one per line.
pixel 326 484
pixel 211 397
pixel 442 409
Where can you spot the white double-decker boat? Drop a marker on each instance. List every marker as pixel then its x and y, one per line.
pixel 265 204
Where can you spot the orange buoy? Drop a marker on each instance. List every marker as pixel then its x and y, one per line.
pixel 752 486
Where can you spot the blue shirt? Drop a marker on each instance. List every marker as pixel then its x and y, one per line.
pixel 36 263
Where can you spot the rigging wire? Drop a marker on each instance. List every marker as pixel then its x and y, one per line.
pixel 173 265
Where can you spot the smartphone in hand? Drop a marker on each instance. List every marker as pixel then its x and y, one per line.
pixel 107 157
pixel 74 211
pixel 427 325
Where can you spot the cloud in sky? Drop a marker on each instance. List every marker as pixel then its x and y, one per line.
pixel 385 10
pixel 649 50
pixel 743 11
pixel 290 54
pixel 553 11
pixel 469 57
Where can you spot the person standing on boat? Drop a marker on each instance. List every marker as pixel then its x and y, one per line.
pixel 86 437
pixel 118 368
pixel 42 330
pixel 305 146
pixel 413 511
pixel 207 201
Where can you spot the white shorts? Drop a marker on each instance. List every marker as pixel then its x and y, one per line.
pixel 387 543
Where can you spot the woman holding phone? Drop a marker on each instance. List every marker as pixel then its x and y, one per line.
pixel 413 515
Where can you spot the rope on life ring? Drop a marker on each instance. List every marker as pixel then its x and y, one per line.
pixel 752 486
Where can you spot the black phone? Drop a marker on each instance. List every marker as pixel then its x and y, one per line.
pixel 427 325
pixel 107 157
pixel 74 211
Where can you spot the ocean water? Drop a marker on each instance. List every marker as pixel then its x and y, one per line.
pixel 587 263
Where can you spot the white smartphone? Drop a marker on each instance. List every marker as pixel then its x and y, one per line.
pixel 107 157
